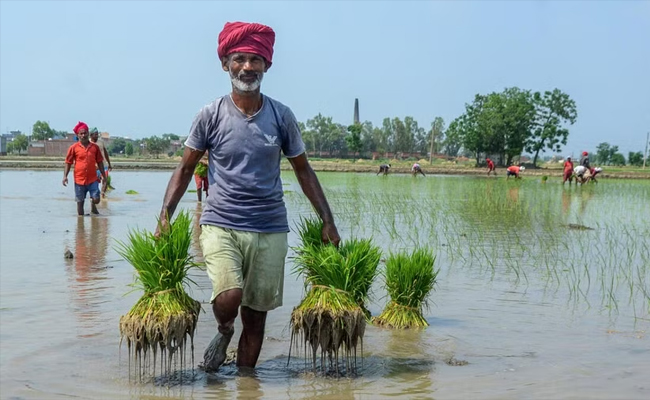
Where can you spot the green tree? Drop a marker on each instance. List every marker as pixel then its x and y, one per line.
pixel 386 137
pixel 453 140
pixel 553 111
pixel 170 136
pixel 353 140
pixel 156 145
pixel 368 137
pixel 635 159
pixel 20 143
pixel 117 146
pixel 42 131
pixel 605 153
pixel 128 149
pixel 437 136
pixel 403 136
pixel 602 153
pixel 10 147
pixel 617 159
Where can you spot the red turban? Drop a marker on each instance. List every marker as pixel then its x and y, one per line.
pixel 80 126
pixel 247 38
pixel 584 153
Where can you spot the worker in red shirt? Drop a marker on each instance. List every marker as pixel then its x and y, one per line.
pixel 490 166
pixel 514 170
pixel 568 171
pixel 86 157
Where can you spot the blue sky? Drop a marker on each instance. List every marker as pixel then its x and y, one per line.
pixel 145 68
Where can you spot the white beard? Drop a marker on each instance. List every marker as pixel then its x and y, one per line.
pixel 243 86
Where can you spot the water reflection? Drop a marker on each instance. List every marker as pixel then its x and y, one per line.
pixel 566 200
pixel 87 270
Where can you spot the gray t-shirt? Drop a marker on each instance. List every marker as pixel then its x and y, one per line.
pixel 245 191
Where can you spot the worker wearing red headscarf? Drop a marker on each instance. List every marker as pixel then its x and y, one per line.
pixel 244 221
pixel 242 37
pixel 584 160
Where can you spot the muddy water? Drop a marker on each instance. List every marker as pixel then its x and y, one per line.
pixel 524 332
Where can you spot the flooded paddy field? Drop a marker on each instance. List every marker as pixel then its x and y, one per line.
pixel 543 291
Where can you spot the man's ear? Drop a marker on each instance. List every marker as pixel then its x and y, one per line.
pixel 224 63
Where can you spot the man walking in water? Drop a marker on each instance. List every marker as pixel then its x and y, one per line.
pixel 244 219
pixel 86 158
pixel 94 138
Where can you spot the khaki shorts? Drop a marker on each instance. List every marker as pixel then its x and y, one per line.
pixel 251 261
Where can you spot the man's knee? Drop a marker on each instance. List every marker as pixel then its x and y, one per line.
pixel 229 299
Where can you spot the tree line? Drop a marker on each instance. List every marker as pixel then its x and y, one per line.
pixel 500 125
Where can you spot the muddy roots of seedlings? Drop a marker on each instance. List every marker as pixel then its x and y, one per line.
pixel 400 317
pixel 160 322
pixel 330 326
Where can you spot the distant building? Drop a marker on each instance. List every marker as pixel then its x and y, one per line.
pixel 3 146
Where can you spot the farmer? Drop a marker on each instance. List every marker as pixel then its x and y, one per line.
pixel 514 170
pixel 580 172
pixel 383 168
pixel 593 173
pixel 244 220
pixel 584 160
pixel 568 171
pixel 201 182
pixel 85 156
pixel 94 137
pixel 490 166
pixel 415 169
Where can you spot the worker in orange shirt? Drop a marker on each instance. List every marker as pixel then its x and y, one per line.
pixel 514 170
pixel 86 157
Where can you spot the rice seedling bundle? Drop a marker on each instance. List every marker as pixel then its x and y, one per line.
pixel 332 316
pixel 165 316
pixel 201 170
pixel 409 278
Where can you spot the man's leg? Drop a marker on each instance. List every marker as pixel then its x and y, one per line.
pixel 252 337
pixel 225 308
pixel 80 197
pixel 95 197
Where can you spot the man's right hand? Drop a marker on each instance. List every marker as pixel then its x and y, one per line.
pixel 330 234
pixel 162 225
pixel 65 181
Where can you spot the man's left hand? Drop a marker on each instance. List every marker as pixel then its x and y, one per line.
pixel 330 234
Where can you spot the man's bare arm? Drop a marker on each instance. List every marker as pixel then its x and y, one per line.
pixel 178 183
pixel 314 192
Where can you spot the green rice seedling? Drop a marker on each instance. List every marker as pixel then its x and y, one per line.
pixel 201 170
pixel 108 183
pixel 332 316
pixel 165 316
pixel 409 278
pixel 131 191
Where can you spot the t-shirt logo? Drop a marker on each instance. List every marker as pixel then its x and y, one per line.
pixel 271 140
